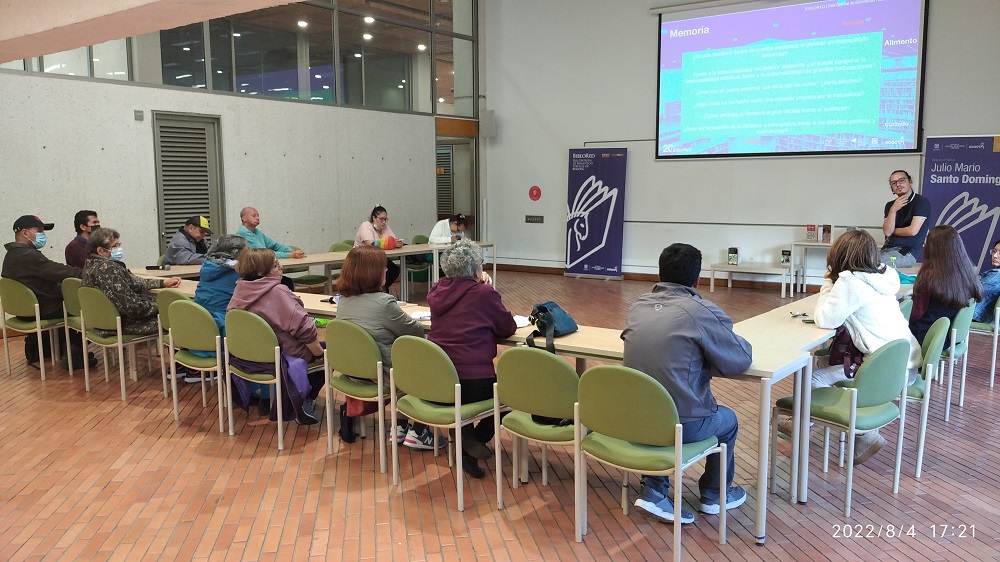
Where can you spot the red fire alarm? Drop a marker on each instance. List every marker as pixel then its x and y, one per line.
pixel 535 193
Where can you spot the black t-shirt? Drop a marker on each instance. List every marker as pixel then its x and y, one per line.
pixel 919 206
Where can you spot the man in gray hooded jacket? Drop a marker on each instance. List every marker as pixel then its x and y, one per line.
pixel 680 339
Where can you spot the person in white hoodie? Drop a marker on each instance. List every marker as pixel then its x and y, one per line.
pixel 859 292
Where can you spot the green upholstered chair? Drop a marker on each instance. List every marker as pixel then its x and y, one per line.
pixel 867 406
pixel 419 272
pixel 99 313
pixel 532 382
pixel 352 353
pixel 18 300
pixel 425 373
pixel 192 328
pixel 164 298
pixel 920 388
pixel 71 312
pixel 625 419
pixel 906 306
pixel 984 329
pixel 250 337
pixel 961 325
pixel 307 280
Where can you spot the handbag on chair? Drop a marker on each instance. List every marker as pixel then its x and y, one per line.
pixel 844 352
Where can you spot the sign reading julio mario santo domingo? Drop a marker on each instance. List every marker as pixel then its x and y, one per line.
pixel 595 212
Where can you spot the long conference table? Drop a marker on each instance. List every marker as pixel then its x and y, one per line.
pixel 781 345
pixel 330 259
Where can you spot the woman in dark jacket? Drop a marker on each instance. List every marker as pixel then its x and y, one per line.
pixel 945 283
pixel 469 317
pixel 106 271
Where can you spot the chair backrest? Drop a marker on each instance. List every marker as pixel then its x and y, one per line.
pixel 352 350
pixel 17 298
pixel 906 306
pixel 250 337
pixel 192 326
pixel 422 369
pixel 349 242
pixel 341 247
pixel 882 376
pixel 164 299
pixel 934 340
pixel 963 322
pixel 98 310
pixel 535 381
pixel 71 295
pixel 420 239
pixel 627 404
pixel 161 259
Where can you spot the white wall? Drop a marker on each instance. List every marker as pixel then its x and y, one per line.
pixel 563 74
pixel 313 172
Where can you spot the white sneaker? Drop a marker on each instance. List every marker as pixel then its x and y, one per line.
pixel 401 431
pixel 424 441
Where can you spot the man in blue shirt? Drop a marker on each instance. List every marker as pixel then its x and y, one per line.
pixel 905 225
pixel 257 239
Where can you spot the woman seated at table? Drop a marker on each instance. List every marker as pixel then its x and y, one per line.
pixel 259 290
pixel 448 230
pixel 859 292
pixel 363 302
pixel 105 270
pixel 946 282
pixel 990 280
pixel 469 317
pixel 376 232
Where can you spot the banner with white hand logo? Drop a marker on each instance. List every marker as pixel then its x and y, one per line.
pixel 962 181
pixel 595 212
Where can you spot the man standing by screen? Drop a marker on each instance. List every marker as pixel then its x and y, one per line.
pixel 905 225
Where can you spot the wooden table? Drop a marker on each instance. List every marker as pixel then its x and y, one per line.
pixel 751 267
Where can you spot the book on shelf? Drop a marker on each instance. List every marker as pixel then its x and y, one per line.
pixel 810 233
pixel 827 233
pixel 786 257
pixel 734 256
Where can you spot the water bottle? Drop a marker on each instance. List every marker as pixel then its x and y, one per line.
pixel 892 262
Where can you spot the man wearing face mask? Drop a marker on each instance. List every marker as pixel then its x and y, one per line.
pixel 106 271
pixel 26 264
pixel 85 223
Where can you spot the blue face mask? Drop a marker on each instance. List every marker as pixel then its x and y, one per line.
pixel 117 253
pixel 40 240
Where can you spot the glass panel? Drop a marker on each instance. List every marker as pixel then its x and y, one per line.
pixel 285 52
pixel 13 65
pixel 402 11
pixel 220 35
pixel 384 66
pixel 72 63
pixel 454 86
pixel 453 15
pixel 111 60
pixel 182 54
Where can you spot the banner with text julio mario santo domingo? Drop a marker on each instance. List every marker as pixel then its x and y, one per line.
pixel 595 212
pixel 962 181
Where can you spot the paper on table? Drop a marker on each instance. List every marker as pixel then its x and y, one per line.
pixel 421 315
pixel 521 321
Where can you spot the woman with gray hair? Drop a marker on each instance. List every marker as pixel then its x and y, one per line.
pixel 469 317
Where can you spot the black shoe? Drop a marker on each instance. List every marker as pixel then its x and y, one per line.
pixel 473 446
pixel 471 466
pixel 307 416
pixel 346 426
pixel 264 406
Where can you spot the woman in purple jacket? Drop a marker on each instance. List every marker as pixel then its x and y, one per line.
pixel 468 318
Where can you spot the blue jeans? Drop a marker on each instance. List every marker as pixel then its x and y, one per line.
pixel 991 288
pixel 724 425
pixel 902 260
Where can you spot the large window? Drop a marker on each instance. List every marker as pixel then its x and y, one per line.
pixel 182 54
pixel 385 66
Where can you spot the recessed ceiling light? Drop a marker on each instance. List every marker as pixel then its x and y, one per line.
pixel 218 72
pixel 369 19
pixel 367 36
pixel 452 72
pixel 399 86
pixel 421 47
pixel 326 87
pixel 435 79
pixel 186 49
pixel 237 35
pixel 181 76
pixel 303 23
pixel 403 80
pixel 97 60
pixel 440 100
pixel 318 75
pixel 357 55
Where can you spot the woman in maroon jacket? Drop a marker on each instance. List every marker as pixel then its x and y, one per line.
pixel 468 318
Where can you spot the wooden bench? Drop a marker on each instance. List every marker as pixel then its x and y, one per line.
pixel 785 271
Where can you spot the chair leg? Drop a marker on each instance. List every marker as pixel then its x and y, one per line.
pixel 6 347
pixel 947 400
pixel 773 437
pixel 842 437
pixel 107 375
pixel 579 484
pixel 993 362
pixel 545 465
pixel 515 461
pixel 121 363
pixel 277 393
pixel 163 361
pixel 41 355
pixel 69 352
pixel 625 492
pixel 961 386
pixel 922 428
pixel 826 449
pixel 723 497
pixel 131 363
pixel 459 471
pixel 899 441
pixel 524 460
pixel 173 381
